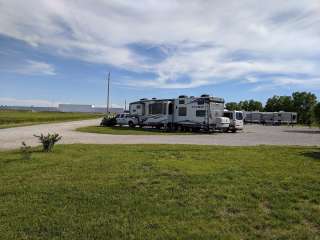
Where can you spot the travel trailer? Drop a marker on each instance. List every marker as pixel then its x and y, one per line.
pixel 236 120
pixel 272 118
pixel 288 117
pixel 183 113
pixel 252 117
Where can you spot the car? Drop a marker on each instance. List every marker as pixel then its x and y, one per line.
pixel 126 119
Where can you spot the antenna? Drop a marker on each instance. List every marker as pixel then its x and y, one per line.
pixel 108 93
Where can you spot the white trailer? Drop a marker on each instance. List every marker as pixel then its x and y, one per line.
pixel 271 118
pixel 252 117
pixel 184 113
pixel 288 117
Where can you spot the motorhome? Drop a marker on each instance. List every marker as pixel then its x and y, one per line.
pixel 236 120
pixel 183 113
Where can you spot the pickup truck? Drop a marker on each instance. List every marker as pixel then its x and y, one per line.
pixel 126 119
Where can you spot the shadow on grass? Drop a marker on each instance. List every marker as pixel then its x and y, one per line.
pixel 314 155
pixel 18 156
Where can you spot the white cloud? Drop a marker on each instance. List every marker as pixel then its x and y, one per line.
pixel 27 102
pixel 201 40
pixel 8 101
pixel 276 82
pixel 36 68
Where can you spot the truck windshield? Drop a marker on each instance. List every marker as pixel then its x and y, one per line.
pixel 239 116
pixel 228 115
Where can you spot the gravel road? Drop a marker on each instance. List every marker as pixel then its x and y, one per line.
pixel 11 138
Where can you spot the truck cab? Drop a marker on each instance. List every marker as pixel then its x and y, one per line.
pixel 126 119
pixel 236 120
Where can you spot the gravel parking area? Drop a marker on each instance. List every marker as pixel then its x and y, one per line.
pixel 252 135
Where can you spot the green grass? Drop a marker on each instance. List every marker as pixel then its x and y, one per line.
pixel 11 118
pixel 117 130
pixel 161 192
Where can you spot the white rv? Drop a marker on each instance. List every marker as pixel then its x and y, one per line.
pixel 183 113
pixel 288 117
pixel 252 117
pixel 153 112
pixel 236 120
pixel 272 118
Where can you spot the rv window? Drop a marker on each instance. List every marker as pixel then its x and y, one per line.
pixel 239 116
pixel 170 108
pixel 182 111
pixel 138 107
pixel 155 108
pixel 181 101
pixel 118 115
pixel 201 113
pixel 200 101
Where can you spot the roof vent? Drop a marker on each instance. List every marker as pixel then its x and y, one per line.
pixel 154 98
pixel 183 96
pixel 143 99
pixel 205 95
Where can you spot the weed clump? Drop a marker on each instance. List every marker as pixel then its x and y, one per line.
pixel 25 151
pixel 48 141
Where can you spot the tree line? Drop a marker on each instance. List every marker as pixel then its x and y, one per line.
pixel 304 103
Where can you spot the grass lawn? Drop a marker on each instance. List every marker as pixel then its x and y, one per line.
pixel 12 118
pixel 117 130
pixel 161 192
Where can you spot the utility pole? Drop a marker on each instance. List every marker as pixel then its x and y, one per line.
pixel 108 93
pixel 125 105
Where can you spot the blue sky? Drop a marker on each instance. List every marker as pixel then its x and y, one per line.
pixel 60 51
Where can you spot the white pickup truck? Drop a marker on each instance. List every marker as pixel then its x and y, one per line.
pixel 126 119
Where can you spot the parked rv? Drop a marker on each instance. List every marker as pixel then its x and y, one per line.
pixel 271 118
pixel 252 117
pixel 183 113
pixel 236 120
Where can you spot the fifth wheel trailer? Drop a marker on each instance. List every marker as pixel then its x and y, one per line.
pixel 185 113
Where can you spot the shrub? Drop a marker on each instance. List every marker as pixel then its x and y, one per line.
pixel 48 141
pixel 316 114
pixel 108 121
pixel 25 151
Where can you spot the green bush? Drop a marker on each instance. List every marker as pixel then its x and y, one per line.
pixel 316 114
pixel 108 121
pixel 48 141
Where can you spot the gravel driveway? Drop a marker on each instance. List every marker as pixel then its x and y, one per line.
pixel 11 138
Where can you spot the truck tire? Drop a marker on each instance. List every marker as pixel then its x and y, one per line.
pixel 131 124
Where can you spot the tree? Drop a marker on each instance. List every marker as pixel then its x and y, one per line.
pixel 316 113
pixel 232 106
pixel 286 104
pixel 279 103
pixel 255 106
pixel 272 104
pixel 244 105
pixel 303 103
